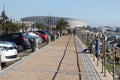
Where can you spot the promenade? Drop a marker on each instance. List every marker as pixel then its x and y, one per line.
pixel 62 59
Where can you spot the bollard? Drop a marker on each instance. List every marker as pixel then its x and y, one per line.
pixel 55 37
pixel 58 35
pixel 49 39
pixel 36 44
pixel 0 62
pixel 33 45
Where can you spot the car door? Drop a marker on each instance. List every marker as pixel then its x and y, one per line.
pixel 5 38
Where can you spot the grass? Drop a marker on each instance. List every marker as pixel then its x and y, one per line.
pixel 109 68
pixel 118 66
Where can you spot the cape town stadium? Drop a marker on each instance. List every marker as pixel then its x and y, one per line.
pixel 52 20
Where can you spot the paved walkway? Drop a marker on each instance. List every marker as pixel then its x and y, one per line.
pixel 45 63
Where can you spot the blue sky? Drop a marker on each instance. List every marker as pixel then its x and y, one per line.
pixel 96 12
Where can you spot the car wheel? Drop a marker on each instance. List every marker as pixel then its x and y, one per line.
pixel 20 48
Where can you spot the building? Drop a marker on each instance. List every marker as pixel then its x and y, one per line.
pixel 51 21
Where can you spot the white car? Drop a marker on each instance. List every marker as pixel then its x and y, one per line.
pixel 7 51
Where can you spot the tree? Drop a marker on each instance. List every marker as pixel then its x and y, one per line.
pixel 23 27
pixel 13 28
pixel 40 26
pixel 6 24
pixel 3 19
pixel 62 24
pixel 4 16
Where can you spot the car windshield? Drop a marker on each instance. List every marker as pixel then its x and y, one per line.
pixel 29 36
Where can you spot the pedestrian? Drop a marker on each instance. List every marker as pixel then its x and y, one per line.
pixel 93 47
pixel 74 32
pixel 97 48
pixel 90 48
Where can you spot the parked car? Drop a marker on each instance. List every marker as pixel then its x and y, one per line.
pixel 7 51
pixel 40 40
pixel 32 38
pixel 51 34
pixel 13 44
pixel 42 34
pixel 19 38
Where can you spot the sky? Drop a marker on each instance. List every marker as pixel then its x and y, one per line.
pixel 96 12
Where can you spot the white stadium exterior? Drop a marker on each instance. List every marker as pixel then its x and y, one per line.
pixel 47 20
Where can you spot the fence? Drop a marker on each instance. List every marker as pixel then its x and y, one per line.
pixel 110 55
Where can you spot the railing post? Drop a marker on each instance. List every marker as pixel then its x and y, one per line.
pixel 93 56
pixel 103 54
pixel 104 60
pixel 113 52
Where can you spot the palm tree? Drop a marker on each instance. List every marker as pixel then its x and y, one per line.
pixel 62 24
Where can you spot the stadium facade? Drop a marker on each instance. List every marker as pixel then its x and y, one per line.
pixel 51 21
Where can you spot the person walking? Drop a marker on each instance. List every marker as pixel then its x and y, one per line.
pixel 74 32
pixel 97 48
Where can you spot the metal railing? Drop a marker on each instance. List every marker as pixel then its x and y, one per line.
pixel 109 59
